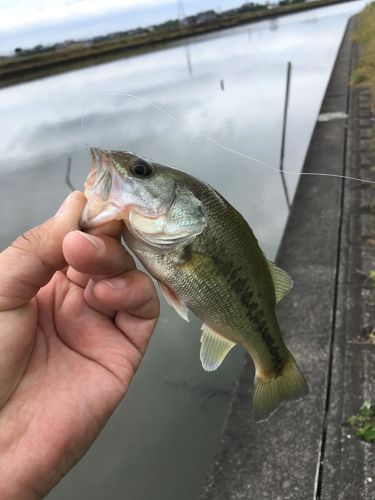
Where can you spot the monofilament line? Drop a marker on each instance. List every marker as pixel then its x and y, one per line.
pixel 213 141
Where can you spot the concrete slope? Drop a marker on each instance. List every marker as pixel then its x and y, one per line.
pixel 302 451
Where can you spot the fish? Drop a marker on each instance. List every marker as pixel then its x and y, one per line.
pixel 206 259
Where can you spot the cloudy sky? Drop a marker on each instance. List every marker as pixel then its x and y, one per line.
pixel 25 23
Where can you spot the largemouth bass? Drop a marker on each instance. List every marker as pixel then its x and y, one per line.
pixel 206 258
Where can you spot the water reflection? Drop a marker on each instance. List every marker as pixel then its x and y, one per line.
pixel 274 23
pixel 188 59
pixel 159 443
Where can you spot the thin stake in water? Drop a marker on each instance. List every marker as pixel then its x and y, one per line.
pixel 285 117
pixel 67 176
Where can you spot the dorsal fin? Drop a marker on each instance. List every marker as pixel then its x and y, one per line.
pixel 214 348
pixel 283 283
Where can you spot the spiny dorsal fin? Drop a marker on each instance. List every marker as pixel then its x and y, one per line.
pixel 214 348
pixel 174 301
pixel 283 283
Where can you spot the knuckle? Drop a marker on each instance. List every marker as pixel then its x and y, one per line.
pixel 29 241
pixel 30 248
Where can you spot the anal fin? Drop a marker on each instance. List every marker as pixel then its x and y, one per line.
pixel 174 301
pixel 214 348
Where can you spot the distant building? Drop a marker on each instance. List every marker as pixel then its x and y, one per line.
pixel 232 12
pixel 58 46
pixel 136 31
pixel 98 39
pixel 209 16
pixel 189 21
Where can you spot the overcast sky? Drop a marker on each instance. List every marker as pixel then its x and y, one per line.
pixel 17 14
pixel 26 23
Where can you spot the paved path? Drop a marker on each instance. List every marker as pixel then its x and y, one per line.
pixel 305 450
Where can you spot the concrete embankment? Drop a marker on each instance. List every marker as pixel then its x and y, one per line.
pixel 306 450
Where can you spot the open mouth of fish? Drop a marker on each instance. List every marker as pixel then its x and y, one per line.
pixel 111 195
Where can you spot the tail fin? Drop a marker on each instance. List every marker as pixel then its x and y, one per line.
pixel 269 394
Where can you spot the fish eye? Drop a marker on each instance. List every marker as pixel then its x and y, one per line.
pixel 141 168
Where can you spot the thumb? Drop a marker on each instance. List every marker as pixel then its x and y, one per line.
pixel 30 262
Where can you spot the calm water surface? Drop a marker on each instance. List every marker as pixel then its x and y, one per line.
pixel 159 443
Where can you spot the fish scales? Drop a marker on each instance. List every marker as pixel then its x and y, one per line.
pixel 232 300
pixel 206 259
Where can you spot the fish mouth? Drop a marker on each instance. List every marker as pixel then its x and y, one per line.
pixel 110 192
pixel 103 189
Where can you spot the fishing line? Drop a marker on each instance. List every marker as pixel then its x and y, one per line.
pixel 211 140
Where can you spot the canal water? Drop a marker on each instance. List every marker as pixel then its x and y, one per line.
pixel 229 85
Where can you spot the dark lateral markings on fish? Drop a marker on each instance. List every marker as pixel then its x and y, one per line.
pixel 206 259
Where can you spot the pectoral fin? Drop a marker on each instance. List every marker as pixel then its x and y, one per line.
pixel 174 301
pixel 283 283
pixel 214 348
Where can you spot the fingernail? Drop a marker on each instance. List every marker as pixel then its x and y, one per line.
pixel 64 205
pixel 116 283
pixel 94 240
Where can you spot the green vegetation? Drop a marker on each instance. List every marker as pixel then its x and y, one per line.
pixel 364 422
pixel 364 74
pixel 364 35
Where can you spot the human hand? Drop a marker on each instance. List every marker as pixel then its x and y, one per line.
pixel 75 320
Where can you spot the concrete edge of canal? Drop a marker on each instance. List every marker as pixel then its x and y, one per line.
pixel 305 450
